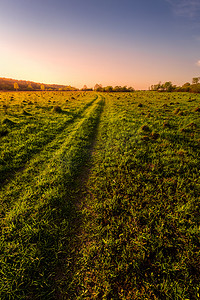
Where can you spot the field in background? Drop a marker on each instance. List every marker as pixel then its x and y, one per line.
pixel 99 195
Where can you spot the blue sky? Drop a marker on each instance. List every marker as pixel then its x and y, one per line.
pixel 78 42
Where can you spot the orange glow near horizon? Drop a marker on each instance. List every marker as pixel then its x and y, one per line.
pixel 81 43
pixel 67 66
pixel 77 63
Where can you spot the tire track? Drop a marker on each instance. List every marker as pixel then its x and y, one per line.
pixel 5 178
pixel 38 167
pixel 39 221
pixel 68 266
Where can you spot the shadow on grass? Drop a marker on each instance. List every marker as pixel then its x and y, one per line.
pixel 8 172
pixel 57 241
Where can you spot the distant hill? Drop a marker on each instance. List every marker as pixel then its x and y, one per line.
pixel 8 84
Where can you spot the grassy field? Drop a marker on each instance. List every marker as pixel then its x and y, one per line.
pixel 99 195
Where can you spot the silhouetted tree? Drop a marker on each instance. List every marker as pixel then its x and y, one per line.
pixel 195 80
pixel 108 89
pixel 16 86
pixel 168 87
pixel 195 88
pixel 84 88
pixel 156 87
pixel 185 87
pixel 98 88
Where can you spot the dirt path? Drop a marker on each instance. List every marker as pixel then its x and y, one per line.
pixel 78 193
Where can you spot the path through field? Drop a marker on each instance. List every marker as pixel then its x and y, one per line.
pixel 106 205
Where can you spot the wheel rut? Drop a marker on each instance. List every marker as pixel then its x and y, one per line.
pixel 49 146
pixel 67 266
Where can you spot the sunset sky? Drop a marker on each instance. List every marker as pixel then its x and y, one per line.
pixel 131 42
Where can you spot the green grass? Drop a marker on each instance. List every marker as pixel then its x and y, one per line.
pixel 100 200
pixel 142 212
pixel 36 210
pixel 28 134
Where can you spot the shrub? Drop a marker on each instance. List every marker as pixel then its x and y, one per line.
pixel 165 106
pixel 57 109
pixel 3 132
pixel 155 135
pixel 5 107
pixel 145 128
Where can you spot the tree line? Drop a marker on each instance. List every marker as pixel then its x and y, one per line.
pixel 193 87
pixel 8 84
pixel 108 89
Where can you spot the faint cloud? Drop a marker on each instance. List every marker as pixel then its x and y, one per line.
pixel 198 63
pixel 186 8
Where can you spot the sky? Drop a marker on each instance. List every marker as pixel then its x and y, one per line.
pixel 110 42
